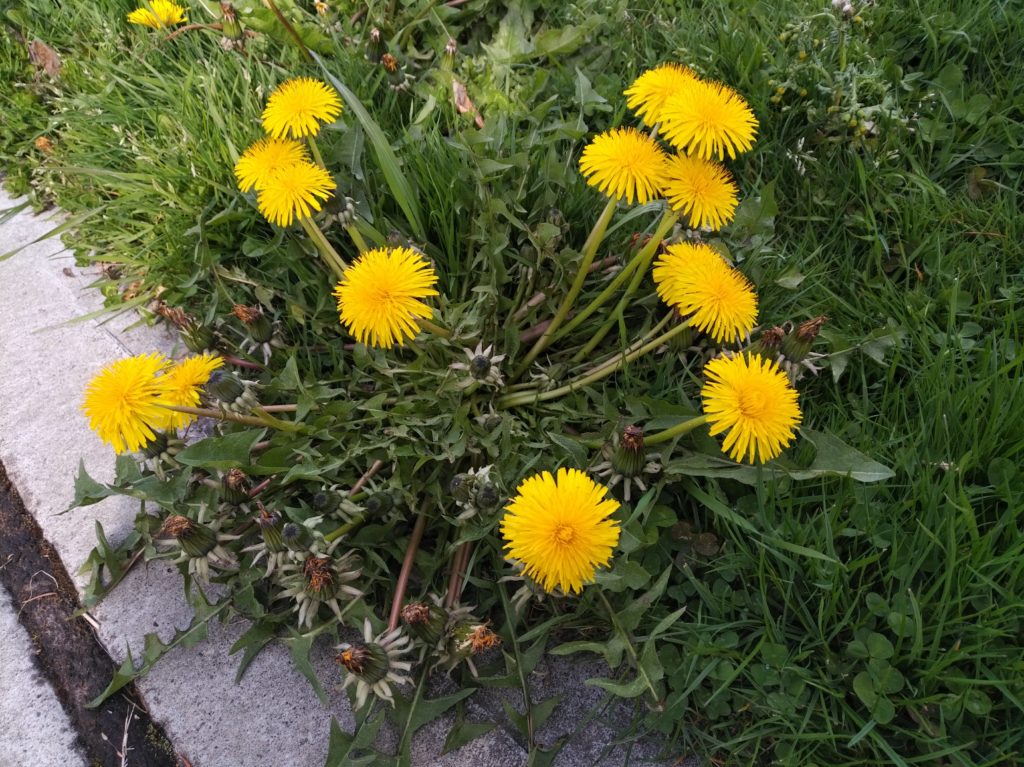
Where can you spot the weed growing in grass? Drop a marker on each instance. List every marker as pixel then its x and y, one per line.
pixel 779 612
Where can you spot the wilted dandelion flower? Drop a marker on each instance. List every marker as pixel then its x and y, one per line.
pixel 185 382
pixel 625 164
pixel 751 399
pixel 698 283
pixel 123 401
pixel 376 663
pixel 297 107
pixel 261 162
pixel 708 119
pixel 295 191
pixel 559 529
pixel 701 189
pixel 379 296
pixel 158 14
pixel 649 92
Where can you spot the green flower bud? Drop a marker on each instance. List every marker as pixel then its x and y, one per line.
pixel 425 621
pixel 797 344
pixel 296 537
pixel 369 662
pixel 375 46
pixel 630 456
pixel 224 386
pixel 234 487
pixel 486 497
pixel 462 487
pixel 195 539
pixel 380 503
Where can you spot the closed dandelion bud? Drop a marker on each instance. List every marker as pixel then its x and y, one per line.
pixel 380 503
pixel 462 487
pixel 230 26
pixel 198 338
pixel 234 487
pixel 224 386
pixel 367 661
pixel 255 321
pixel 195 539
pixel 425 621
pixel 340 210
pixel 469 639
pixel 448 59
pixel 480 367
pixel 630 456
pixel 486 497
pixel 769 343
pixel 271 529
pixel 797 345
pixel 375 46
pixel 296 537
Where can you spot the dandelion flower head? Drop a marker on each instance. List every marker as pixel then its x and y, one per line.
pixel 625 164
pixel 122 402
pixel 380 296
pixel 700 189
pixel 294 191
pixel 185 382
pixel 649 92
pixel 699 284
pixel 297 107
pixel 559 529
pixel 158 14
pixel 751 399
pixel 708 119
pixel 263 160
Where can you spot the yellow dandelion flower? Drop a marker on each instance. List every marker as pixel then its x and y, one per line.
pixel 158 14
pixel 701 189
pixel 707 118
pixel 649 92
pixel 379 295
pixel 293 191
pixel 697 282
pixel 751 398
pixel 122 401
pixel 185 382
pixel 559 529
pixel 625 164
pixel 260 162
pixel 297 107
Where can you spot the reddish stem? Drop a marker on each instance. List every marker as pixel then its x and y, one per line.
pixel 377 466
pixel 260 487
pixel 240 363
pixel 459 563
pixel 403 575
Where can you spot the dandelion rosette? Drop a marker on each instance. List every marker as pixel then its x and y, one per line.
pixel 649 92
pixel 263 160
pixel 625 164
pixel 699 284
pixel 297 107
pixel 294 191
pixel 700 189
pixel 185 382
pixel 559 529
pixel 122 402
pixel 708 119
pixel 158 14
pixel 751 399
pixel 380 296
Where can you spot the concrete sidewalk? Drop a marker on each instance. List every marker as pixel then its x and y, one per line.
pixel 270 718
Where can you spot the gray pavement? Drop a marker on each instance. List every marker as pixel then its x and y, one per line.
pixel 272 718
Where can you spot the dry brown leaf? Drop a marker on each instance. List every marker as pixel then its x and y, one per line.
pixel 44 57
pixel 464 104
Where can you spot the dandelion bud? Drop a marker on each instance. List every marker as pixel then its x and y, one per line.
pixel 270 526
pixel 630 456
pixel 448 59
pixel 486 497
pixel 469 639
pixel 195 539
pixel 322 8
pixel 797 345
pixel 321 501
pixel 340 210
pixel 462 487
pixel 480 367
pixel 369 662
pixel 198 338
pixel 769 342
pixel 230 26
pixel 390 63
pixel 296 537
pixel 224 386
pixel 234 487
pixel 380 503
pixel 255 321
pixel 375 46
pixel 425 621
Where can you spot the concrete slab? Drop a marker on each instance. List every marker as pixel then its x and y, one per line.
pixel 272 717
pixel 34 730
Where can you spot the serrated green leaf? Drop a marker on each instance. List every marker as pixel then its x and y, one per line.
pixel 228 452
pixel 299 647
pixel 251 643
pixel 465 732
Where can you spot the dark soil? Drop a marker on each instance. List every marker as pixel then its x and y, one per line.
pixel 68 653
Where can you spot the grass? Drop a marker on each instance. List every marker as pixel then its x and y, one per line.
pixel 840 623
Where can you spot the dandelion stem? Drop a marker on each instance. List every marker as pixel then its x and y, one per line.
pixel 589 250
pixel 327 251
pixel 403 575
pixel 357 238
pixel 667 222
pixel 347 527
pixel 459 562
pixel 676 431
pixel 224 415
pixel 642 263
pixel 315 151
pixel 437 330
pixel 602 371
